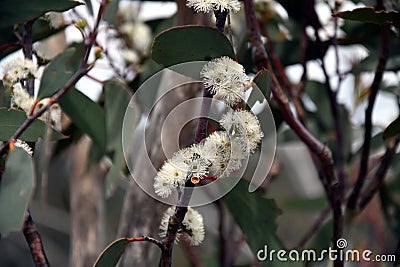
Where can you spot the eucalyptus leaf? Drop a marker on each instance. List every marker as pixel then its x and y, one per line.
pixel 116 100
pixel 392 130
pixel 40 31
pixel 110 14
pixel 190 43
pixel 19 11
pixel 256 217
pixel 16 188
pixel 369 15
pixel 111 254
pixel 87 115
pixel 60 70
pixel 11 120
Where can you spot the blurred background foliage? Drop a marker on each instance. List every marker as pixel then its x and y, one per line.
pixel 80 181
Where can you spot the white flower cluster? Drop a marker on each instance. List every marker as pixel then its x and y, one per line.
pixel 226 79
pixel 218 155
pixel 22 100
pixel 216 5
pixel 192 226
pixel 222 152
pixel 14 73
pixel 19 69
pixel 245 127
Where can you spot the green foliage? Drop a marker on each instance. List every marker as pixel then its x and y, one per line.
pixel 11 120
pixel 111 12
pixel 40 31
pixel 16 187
pixel 18 11
pixel 393 129
pixel 263 81
pixel 369 15
pixel 60 70
pixel 116 101
pixel 256 216
pixel 111 254
pixel 87 115
pixel 190 43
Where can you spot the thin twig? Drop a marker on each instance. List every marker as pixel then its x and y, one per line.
pixel 324 153
pixel 220 19
pixel 340 164
pixel 182 206
pixel 380 174
pixel 82 70
pixel 157 242
pixel 27 49
pixel 5 46
pixel 224 255
pixel 315 227
pixel 230 34
pixel 282 75
pixel 34 241
pixel 354 197
pixel 191 253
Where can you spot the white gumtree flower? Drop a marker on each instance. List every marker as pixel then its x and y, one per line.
pixel 20 99
pixel 18 69
pixel 245 126
pixel 226 79
pixel 192 226
pixel 206 6
pixel 171 175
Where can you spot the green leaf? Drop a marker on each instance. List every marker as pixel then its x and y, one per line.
pixel 111 254
pixel 60 70
pixel 18 11
pixel 369 15
pixel 89 7
pixel 116 101
pixel 263 81
pixel 16 188
pixel 393 129
pixel 87 115
pixel 11 120
pixel 256 216
pixel 190 43
pixel 110 14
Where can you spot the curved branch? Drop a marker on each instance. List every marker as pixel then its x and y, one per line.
pixel 324 153
pixel 354 197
